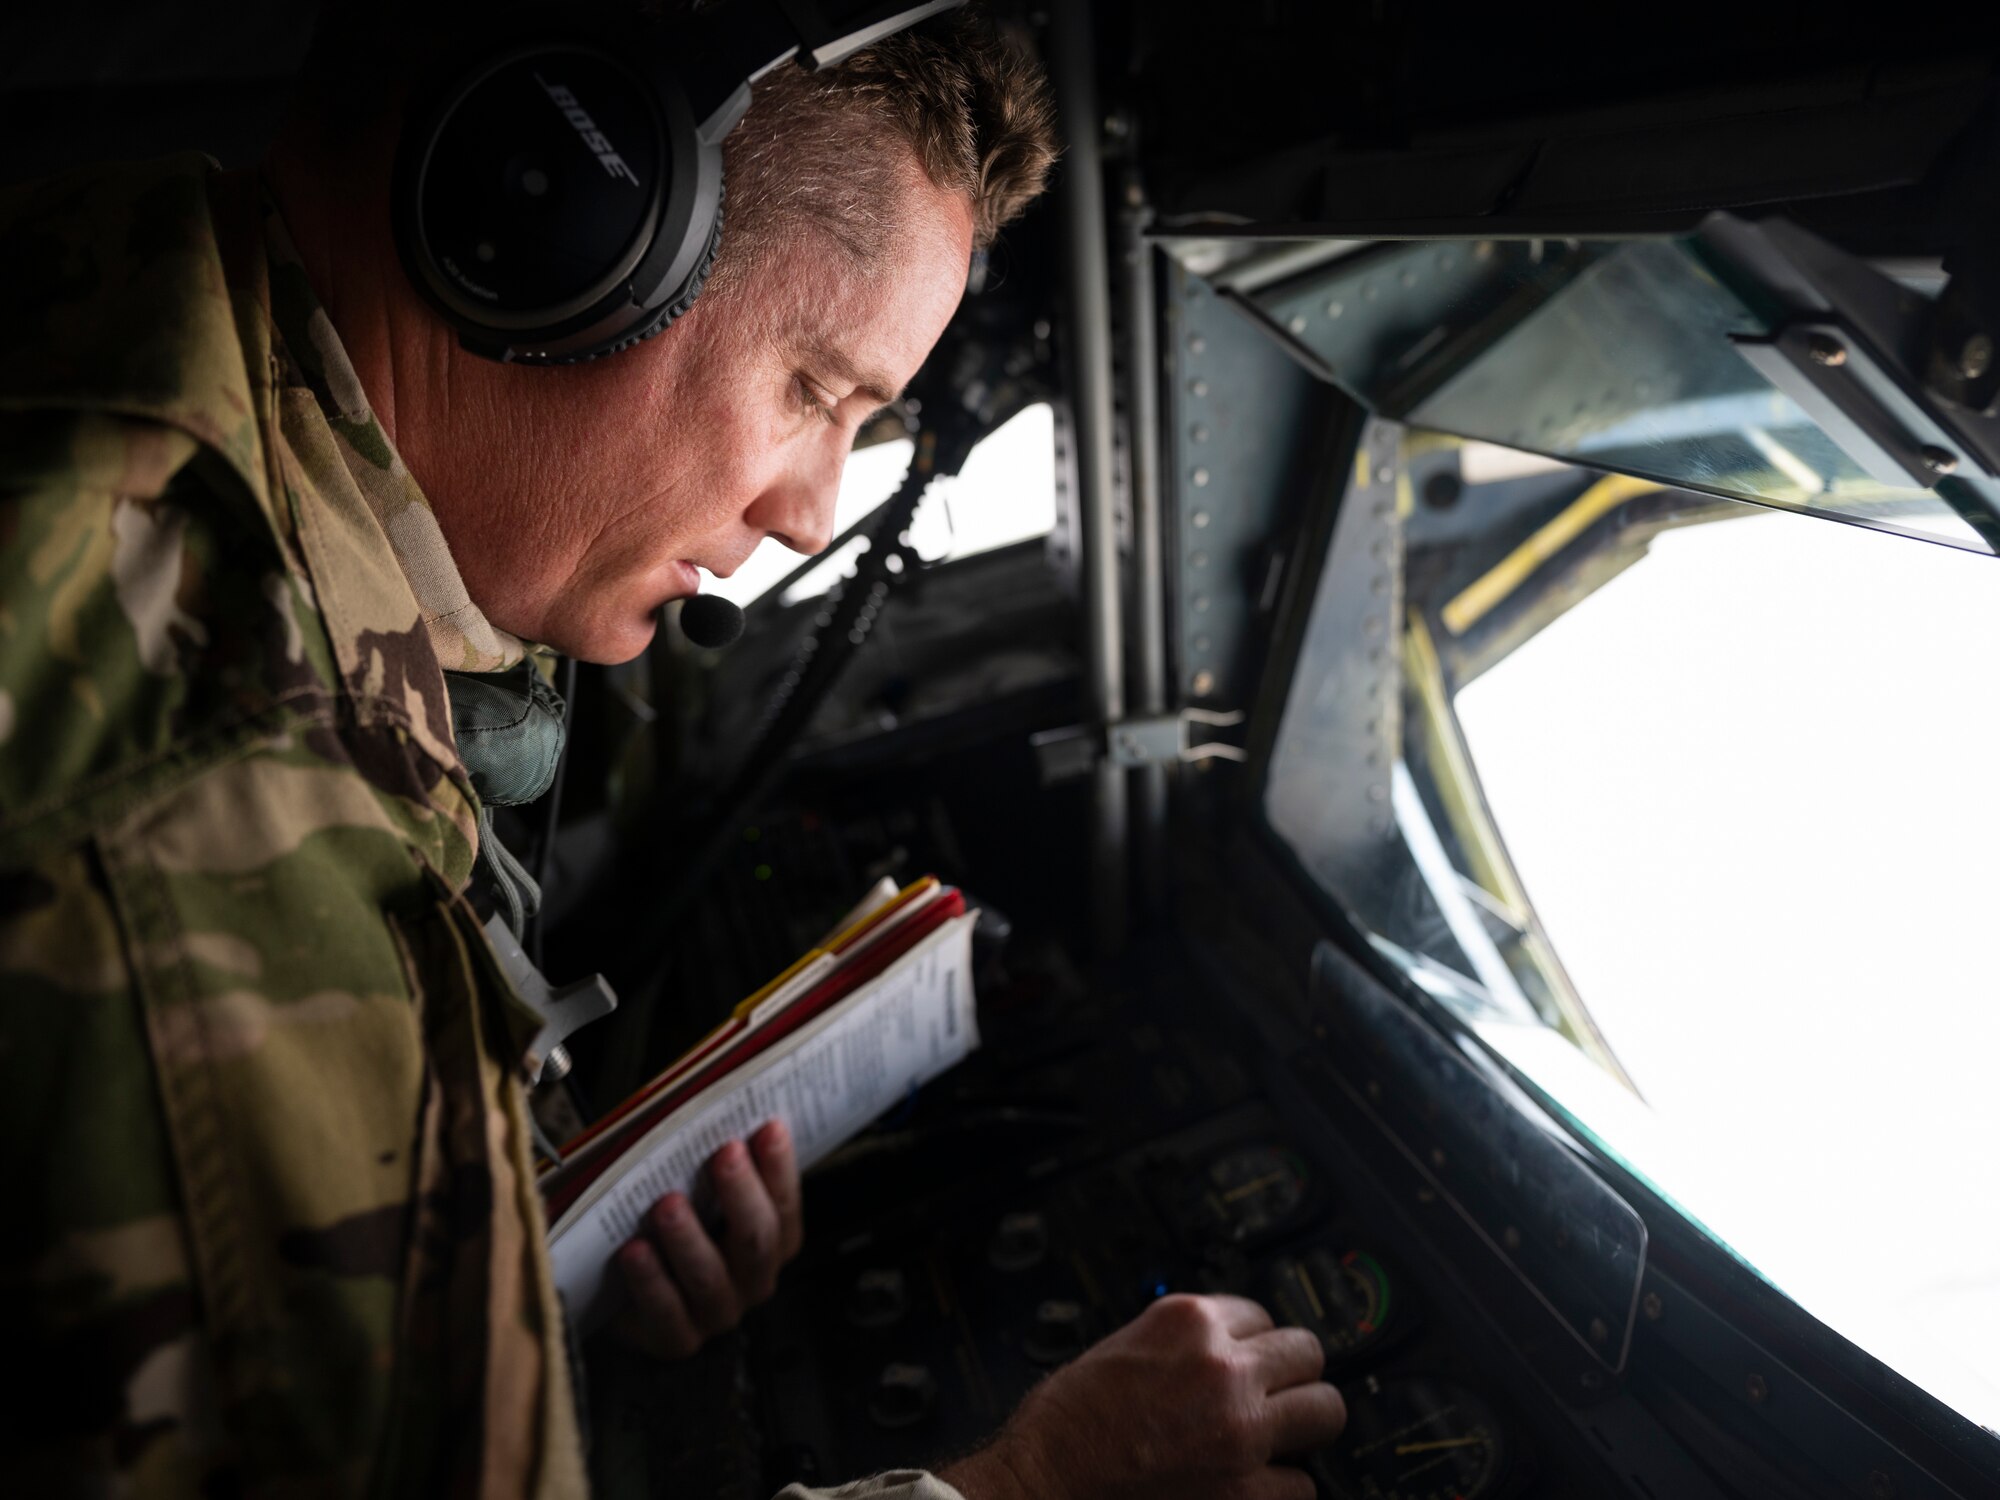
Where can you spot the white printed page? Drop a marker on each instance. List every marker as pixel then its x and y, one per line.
pixel 825 1082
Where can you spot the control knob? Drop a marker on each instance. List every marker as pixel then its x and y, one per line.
pixel 878 1299
pixel 1020 1243
pixel 903 1396
pixel 1057 1334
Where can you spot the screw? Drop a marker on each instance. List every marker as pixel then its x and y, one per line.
pixel 1825 349
pixel 1198 433
pixel 1200 477
pixel 1599 1330
pixel 1975 356
pixel 1197 344
pixel 556 1066
pixel 1297 325
pixel 1199 520
pixel 1651 1305
pixel 1437 1157
pixel 1442 489
pixel 1197 387
pixel 1756 1390
pixel 1204 683
pixel 1938 461
pixel 1334 309
pixel 1197 559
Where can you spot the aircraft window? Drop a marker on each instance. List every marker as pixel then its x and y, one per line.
pixel 1005 494
pixel 1677 802
pixel 1637 356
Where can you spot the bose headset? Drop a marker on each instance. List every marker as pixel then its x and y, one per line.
pixel 562 199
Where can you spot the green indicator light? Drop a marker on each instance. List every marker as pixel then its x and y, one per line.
pixel 762 872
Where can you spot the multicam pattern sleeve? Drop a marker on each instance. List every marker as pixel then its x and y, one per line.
pixel 269 1225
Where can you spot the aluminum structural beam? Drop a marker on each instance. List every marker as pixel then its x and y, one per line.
pixel 1149 568
pixel 1087 276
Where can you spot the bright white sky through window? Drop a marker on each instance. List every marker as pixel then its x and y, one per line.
pixel 1006 493
pixel 1748 787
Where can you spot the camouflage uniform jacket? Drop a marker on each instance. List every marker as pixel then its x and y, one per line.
pixel 270 1221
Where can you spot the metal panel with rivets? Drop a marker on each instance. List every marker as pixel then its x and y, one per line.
pixel 1329 789
pixel 1241 420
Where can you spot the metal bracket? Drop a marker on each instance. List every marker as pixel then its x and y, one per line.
pixel 1834 379
pixel 1162 739
pixel 563 1008
pixel 1168 739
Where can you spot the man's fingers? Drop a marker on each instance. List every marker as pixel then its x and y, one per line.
pixel 749 1223
pixel 1240 1315
pixel 1304 1417
pixel 697 1266
pixel 663 1326
pixel 778 1165
pixel 1286 1357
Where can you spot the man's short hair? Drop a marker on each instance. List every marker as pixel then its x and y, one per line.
pixel 831 150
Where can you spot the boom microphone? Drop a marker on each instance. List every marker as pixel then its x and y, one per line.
pixel 710 622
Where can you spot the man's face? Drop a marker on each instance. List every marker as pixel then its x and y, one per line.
pixel 624 475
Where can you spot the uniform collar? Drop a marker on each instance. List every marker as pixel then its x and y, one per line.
pixel 464 639
pixel 117 302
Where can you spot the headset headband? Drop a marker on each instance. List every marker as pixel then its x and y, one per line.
pixel 561 198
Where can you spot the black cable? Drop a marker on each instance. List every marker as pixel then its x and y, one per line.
pixel 941 450
pixel 545 852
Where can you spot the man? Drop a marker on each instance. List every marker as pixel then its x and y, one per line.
pixel 272 1224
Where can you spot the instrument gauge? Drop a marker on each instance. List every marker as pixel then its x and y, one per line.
pixel 1416 1439
pixel 1244 1195
pixel 1345 1298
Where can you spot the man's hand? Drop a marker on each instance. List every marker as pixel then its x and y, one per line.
pixel 684 1288
pixel 1192 1400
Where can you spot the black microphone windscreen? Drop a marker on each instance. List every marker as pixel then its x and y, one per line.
pixel 710 622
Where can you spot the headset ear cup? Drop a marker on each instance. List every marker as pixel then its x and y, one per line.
pixel 667 314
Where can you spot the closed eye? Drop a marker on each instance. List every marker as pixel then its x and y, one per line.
pixel 815 399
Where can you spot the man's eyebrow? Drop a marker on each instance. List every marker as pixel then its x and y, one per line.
pixel 835 365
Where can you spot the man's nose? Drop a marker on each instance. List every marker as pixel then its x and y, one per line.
pixel 798 507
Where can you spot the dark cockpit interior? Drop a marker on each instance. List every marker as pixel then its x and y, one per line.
pixel 1437 594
